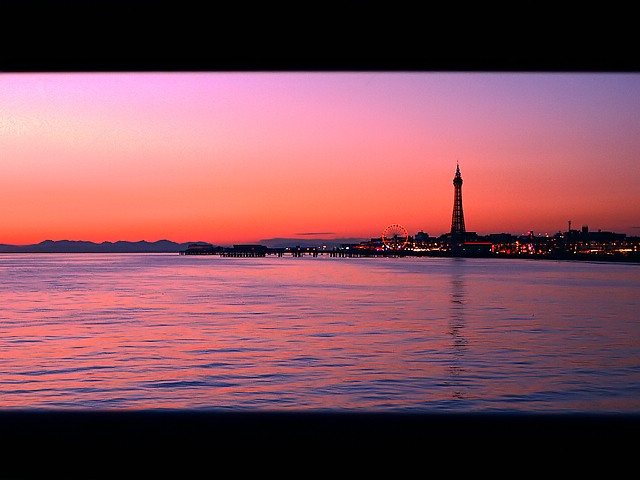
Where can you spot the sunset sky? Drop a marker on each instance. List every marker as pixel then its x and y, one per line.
pixel 242 156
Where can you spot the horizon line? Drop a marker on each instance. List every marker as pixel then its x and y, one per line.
pixel 286 238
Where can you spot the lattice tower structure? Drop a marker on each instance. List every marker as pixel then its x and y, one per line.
pixel 457 219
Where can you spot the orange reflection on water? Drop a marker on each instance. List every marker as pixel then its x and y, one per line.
pixel 176 332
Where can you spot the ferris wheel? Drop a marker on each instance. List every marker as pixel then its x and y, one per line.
pixel 395 237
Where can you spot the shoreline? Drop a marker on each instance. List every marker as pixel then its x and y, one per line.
pixel 634 259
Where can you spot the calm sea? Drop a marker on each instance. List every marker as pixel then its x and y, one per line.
pixel 165 331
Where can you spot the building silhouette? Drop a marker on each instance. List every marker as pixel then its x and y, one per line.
pixel 458 234
pixel 457 219
pixel 462 242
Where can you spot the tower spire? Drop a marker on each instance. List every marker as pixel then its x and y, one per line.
pixel 457 219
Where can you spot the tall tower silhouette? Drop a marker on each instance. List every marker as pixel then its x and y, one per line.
pixel 457 219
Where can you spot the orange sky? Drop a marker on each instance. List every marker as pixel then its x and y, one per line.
pixel 239 157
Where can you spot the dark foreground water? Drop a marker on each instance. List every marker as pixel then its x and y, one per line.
pixel 426 335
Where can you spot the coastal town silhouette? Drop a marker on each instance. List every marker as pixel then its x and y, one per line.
pixel 395 240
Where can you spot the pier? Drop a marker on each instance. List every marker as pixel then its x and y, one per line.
pixel 253 251
pixel 352 251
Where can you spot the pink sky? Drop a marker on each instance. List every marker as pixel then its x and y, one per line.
pixel 239 157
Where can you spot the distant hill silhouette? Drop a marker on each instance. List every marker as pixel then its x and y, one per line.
pixel 160 246
pixel 75 246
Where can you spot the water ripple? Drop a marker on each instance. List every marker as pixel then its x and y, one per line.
pixel 171 332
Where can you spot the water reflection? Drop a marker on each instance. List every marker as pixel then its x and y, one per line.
pixel 456 328
pixel 168 331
